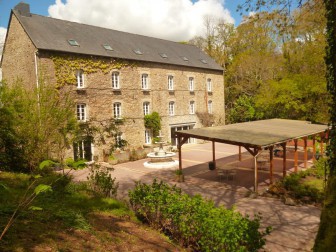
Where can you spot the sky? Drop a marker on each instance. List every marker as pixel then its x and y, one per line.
pixel 176 20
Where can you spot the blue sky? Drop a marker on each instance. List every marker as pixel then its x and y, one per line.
pixel 187 23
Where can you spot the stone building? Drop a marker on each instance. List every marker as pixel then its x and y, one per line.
pixel 113 74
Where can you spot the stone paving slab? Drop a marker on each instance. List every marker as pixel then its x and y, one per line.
pixel 294 227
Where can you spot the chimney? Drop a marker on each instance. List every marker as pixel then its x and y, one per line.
pixel 23 9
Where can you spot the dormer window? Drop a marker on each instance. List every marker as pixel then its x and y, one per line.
pixel 170 82
pixel 163 55
pixel 203 61
pixel 185 58
pixel 137 51
pixel 73 42
pixel 108 47
pixel 80 78
pixel 115 80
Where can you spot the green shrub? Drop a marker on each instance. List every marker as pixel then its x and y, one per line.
pixel 195 222
pixel 102 183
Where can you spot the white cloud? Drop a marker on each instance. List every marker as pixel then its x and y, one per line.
pixel 176 20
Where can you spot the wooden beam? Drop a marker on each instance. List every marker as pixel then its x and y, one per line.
pixel 184 140
pixel 284 161
pixel 253 152
pixel 321 144
pixel 271 164
pixel 213 154
pixel 296 155
pixel 305 158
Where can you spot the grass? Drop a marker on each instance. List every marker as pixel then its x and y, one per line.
pixel 71 219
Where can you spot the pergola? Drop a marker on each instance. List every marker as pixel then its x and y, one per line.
pixel 257 136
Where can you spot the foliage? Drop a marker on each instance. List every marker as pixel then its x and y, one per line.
pixel 37 124
pixel 243 110
pixel 153 122
pixel 195 222
pixel 102 183
pixel 65 209
pixel 66 66
pixel 206 118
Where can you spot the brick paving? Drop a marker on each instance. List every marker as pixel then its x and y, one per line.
pixel 294 227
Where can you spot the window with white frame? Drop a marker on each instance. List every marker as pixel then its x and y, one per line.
pixel 191 84
pixel 80 78
pixel 144 81
pixel 146 108
pixel 118 140
pixel 209 85
pixel 115 80
pixel 170 82
pixel 171 108
pixel 210 107
pixel 148 136
pixel 191 107
pixel 117 110
pixel 81 112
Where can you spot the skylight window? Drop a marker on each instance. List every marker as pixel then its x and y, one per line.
pixel 108 47
pixel 185 58
pixel 137 51
pixel 163 55
pixel 203 61
pixel 73 42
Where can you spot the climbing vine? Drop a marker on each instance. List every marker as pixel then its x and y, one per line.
pixel 66 66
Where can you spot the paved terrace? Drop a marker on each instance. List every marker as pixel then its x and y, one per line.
pixel 294 227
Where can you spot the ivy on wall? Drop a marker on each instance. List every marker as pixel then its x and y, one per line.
pixel 66 66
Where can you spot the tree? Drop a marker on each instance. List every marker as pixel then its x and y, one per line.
pixel 325 240
pixel 38 124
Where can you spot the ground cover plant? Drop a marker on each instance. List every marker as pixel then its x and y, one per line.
pixel 70 217
pixel 306 186
pixel 194 222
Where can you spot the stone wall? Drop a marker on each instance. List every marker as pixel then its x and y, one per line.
pixel 99 97
pixel 18 60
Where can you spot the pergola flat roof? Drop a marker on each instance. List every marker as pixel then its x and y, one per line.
pixel 256 134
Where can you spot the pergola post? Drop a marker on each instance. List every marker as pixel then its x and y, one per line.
pixel 305 152
pixel 314 148
pixel 213 154
pixel 321 144
pixel 239 156
pixel 271 164
pixel 296 155
pixel 284 160
pixel 255 174
pixel 179 146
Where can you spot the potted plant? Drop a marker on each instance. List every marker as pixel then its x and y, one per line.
pixel 211 166
pixel 179 177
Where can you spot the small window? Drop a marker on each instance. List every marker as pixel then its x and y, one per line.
pixel 171 108
pixel 191 107
pixel 108 47
pixel 115 80
pixel 80 78
pixel 185 58
pixel 137 51
pixel 118 139
pixel 191 84
pixel 203 61
pixel 81 112
pixel 146 108
pixel 170 82
pixel 210 107
pixel 73 42
pixel 148 136
pixel 163 55
pixel 144 81
pixel 117 110
pixel 209 85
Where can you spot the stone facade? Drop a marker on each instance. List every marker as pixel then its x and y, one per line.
pixel 21 59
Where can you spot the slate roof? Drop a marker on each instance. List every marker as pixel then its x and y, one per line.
pixel 260 134
pixel 53 34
